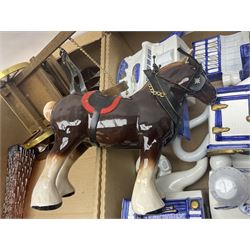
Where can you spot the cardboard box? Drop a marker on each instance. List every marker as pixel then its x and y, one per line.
pixel 103 177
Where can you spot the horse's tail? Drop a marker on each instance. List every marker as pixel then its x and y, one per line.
pixel 48 109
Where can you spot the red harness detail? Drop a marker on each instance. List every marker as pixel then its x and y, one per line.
pixel 105 110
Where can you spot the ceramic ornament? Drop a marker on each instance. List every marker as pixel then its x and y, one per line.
pixel 229 186
pixel 221 57
pixel 201 151
pixel 147 121
pixel 229 120
pixel 178 181
pixel 181 205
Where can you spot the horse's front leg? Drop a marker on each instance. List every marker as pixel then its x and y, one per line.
pixel 145 197
pixel 63 184
pixel 45 195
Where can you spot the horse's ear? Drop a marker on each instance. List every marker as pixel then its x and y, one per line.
pixel 188 55
pixel 185 60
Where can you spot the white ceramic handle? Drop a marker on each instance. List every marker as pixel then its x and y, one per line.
pixel 199 119
pixel 178 181
pixel 201 151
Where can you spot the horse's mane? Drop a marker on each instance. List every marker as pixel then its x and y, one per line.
pixel 171 65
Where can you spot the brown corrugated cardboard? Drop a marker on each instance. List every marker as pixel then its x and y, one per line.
pixel 118 177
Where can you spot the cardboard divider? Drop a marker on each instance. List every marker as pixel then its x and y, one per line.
pixel 118 177
pixel 81 61
pixel 117 166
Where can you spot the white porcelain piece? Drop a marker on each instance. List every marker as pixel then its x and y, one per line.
pixel 201 151
pixel 230 187
pixel 231 120
pixel 178 181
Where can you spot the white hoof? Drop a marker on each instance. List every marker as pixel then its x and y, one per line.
pixel 145 196
pixel 64 187
pixel 45 196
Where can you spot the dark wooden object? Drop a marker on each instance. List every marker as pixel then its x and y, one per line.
pixel 20 163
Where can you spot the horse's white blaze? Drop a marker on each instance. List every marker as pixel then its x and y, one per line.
pixel 65 141
pixel 145 127
pixel 146 145
pixel 183 80
pixel 63 125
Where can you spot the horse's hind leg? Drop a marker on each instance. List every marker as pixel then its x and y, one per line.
pixel 63 185
pixel 145 197
pixel 45 195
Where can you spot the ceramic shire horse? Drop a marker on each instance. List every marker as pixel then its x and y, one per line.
pixel 147 120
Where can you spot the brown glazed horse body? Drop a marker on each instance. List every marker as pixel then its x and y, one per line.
pixel 138 122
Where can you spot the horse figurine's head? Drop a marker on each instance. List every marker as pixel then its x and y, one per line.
pixel 188 78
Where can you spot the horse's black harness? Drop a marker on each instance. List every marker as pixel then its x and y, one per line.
pixel 74 72
pixel 168 101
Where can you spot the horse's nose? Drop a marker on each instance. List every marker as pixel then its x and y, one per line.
pixel 213 101
pixel 211 91
pixel 214 95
